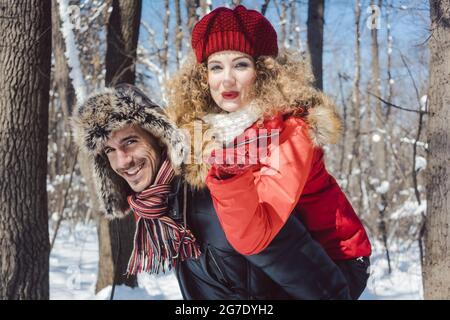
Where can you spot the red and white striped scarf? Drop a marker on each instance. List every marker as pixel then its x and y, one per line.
pixel 159 241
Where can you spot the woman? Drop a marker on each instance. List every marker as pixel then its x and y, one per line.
pixel 253 213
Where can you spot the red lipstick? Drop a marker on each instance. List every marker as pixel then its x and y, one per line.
pixel 229 95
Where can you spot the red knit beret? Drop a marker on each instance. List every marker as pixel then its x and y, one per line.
pixel 240 29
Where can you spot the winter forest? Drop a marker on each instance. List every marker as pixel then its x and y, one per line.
pixel 385 63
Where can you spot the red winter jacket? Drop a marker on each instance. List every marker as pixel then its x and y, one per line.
pixel 252 206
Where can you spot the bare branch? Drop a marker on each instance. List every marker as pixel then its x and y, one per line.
pixel 396 106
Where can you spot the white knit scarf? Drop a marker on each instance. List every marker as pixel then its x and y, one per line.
pixel 227 126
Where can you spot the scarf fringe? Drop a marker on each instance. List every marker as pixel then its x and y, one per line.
pixel 158 244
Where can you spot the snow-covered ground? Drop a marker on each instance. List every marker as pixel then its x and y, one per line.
pixel 74 259
pixel 73 270
pixel 405 280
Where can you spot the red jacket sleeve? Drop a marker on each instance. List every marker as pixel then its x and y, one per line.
pixel 254 206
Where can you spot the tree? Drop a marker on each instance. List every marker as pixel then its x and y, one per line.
pixel 192 16
pixel 436 276
pixel 67 100
pixel 122 38
pixel 25 58
pixel 178 34
pixel 116 237
pixel 316 10
pixel 63 83
pixel 264 7
pixel 380 167
pixel 165 51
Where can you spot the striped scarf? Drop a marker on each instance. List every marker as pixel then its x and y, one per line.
pixel 159 241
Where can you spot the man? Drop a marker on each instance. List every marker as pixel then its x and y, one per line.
pixel 137 155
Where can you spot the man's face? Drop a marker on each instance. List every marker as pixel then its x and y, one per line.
pixel 134 155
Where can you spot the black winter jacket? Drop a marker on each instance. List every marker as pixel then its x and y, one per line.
pixel 293 266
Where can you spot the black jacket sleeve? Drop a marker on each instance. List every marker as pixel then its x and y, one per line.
pixel 300 265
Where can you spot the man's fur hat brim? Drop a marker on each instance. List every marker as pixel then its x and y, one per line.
pixel 113 109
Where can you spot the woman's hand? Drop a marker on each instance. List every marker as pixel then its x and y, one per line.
pixel 229 162
pixel 251 149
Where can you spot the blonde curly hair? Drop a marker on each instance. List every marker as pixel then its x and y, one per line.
pixel 282 84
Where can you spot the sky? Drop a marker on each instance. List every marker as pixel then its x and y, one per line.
pixel 409 21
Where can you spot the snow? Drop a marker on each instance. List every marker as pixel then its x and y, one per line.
pixel 98 11
pixel 50 188
pixel 423 102
pixel 412 141
pixel 405 281
pixel 383 188
pixel 71 52
pixel 409 209
pixel 74 263
pixel 376 137
pixel 199 12
pixel 421 163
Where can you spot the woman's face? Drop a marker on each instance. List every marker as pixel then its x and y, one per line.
pixel 231 76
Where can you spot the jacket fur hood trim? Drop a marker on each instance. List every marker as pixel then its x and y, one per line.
pixel 325 127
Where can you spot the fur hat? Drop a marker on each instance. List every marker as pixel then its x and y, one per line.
pixel 110 110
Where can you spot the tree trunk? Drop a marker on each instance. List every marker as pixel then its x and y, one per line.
pixel 116 237
pixel 294 27
pixel 165 51
pixel 178 34
pixel 192 17
pixel 122 38
pixel 283 23
pixel 206 7
pixel 25 58
pixel 68 100
pixel 436 276
pixel 264 7
pixel 390 83
pixel 64 86
pixel 235 3
pixel 316 10
pixel 115 246
pixel 356 105
pixel 379 148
